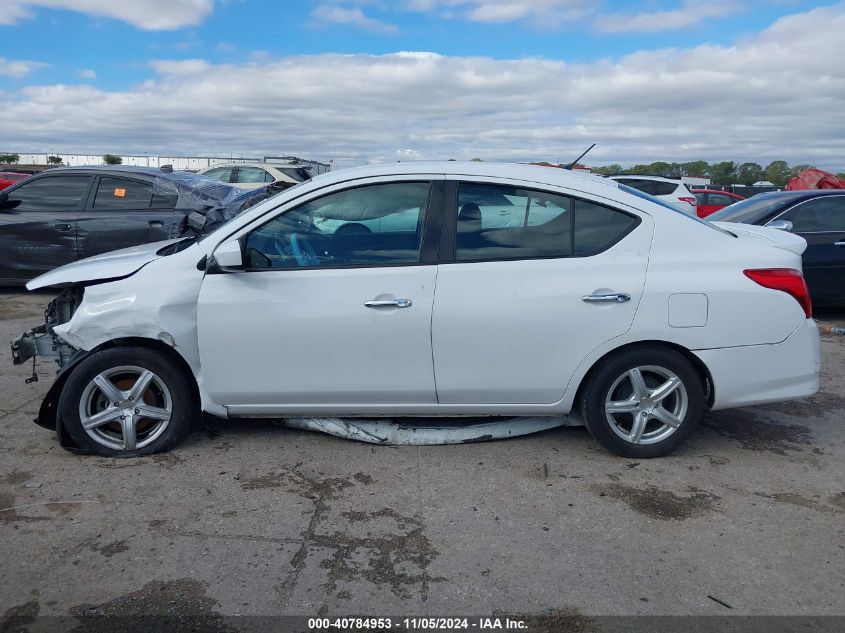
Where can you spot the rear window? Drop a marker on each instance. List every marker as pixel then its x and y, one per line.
pixel 651 187
pixel 750 211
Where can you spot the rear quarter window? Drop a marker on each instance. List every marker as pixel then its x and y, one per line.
pixel 597 228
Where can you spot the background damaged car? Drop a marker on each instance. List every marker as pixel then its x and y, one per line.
pixel 71 213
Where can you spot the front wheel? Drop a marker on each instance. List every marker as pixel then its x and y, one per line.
pixel 643 402
pixel 127 402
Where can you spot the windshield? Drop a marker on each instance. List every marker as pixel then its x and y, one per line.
pixel 751 210
pixel 666 205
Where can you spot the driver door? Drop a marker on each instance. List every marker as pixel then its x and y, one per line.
pixel 332 309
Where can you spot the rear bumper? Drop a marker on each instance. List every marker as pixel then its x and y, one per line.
pixel 756 374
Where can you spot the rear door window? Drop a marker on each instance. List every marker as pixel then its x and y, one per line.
pixel 820 215
pixel 250 175
pixel 497 223
pixel 122 193
pixel 720 199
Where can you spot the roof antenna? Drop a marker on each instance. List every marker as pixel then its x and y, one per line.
pixel 569 166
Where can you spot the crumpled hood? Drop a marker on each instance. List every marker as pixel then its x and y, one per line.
pixel 112 265
pixel 766 235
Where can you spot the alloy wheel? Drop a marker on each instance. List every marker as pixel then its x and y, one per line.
pixel 646 404
pixel 125 408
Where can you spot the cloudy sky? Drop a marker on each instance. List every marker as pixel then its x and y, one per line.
pixel 375 80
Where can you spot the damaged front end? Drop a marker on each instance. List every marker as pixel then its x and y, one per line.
pixel 42 340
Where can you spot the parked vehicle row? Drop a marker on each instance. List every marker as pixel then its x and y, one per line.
pixel 441 289
pixel 257 175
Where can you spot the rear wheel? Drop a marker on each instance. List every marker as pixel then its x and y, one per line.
pixel 127 402
pixel 643 402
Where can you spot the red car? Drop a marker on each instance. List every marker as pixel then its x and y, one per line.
pixel 8 178
pixel 711 200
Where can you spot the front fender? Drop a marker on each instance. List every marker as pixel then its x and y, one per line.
pixel 48 413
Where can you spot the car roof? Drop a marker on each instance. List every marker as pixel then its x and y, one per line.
pixel 514 171
pixel 153 172
pixel 275 165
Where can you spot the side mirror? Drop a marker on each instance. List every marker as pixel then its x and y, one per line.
pixel 197 221
pixel 228 256
pixel 782 225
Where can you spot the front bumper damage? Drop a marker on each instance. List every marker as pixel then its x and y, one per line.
pixel 42 340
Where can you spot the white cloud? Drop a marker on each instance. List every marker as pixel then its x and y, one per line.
pixel 690 13
pixel 87 73
pixel 17 68
pixel 180 66
pixel 763 98
pixel 152 15
pixel 544 12
pixel 354 16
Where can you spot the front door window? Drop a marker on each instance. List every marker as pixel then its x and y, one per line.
pixel 365 226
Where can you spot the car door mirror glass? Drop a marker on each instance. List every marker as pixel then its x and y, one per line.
pixel 228 255
pixel 782 225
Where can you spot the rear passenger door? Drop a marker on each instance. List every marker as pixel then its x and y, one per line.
pixel 510 322
pixel 124 212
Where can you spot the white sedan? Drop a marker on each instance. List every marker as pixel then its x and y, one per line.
pixel 399 290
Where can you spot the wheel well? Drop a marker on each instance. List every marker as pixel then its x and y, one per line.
pixel 694 360
pixel 168 351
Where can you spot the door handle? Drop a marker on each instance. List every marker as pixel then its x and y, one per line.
pixel 156 223
pixel 388 303
pixel 842 243
pixel 62 226
pixel 619 297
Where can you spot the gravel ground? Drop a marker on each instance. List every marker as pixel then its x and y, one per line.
pixel 251 518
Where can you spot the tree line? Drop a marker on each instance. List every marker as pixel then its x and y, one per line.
pixel 778 172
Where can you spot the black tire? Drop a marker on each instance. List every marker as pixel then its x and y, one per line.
pixel 654 363
pixel 169 388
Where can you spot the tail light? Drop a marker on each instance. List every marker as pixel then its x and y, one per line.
pixel 786 280
pixel 689 199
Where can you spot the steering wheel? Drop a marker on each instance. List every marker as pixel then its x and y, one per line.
pixel 303 251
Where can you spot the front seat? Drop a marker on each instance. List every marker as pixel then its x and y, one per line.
pixel 469 226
